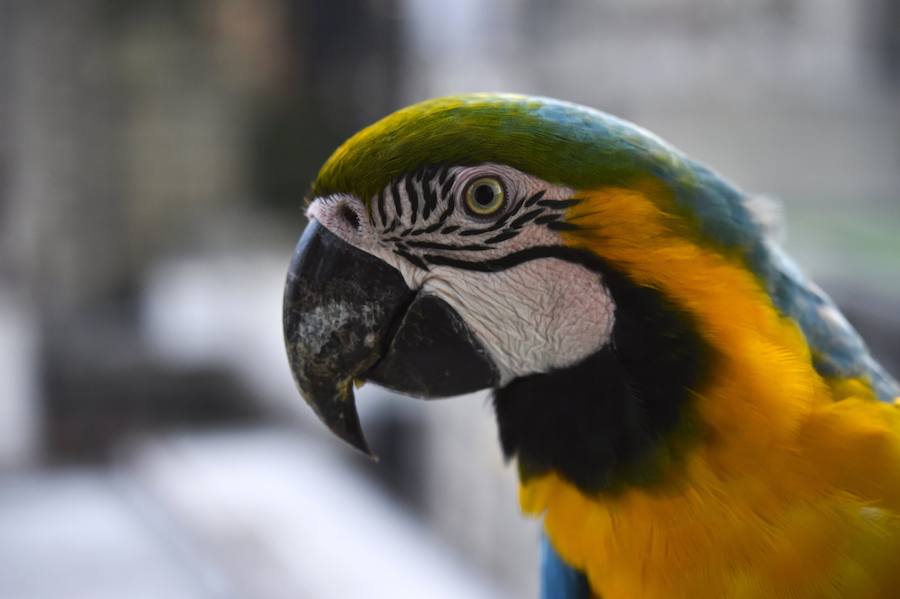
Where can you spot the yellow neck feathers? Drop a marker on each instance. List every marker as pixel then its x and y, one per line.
pixel 789 493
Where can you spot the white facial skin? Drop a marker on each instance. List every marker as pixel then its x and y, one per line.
pixel 535 316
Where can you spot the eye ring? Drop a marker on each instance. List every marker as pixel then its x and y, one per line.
pixel 484 196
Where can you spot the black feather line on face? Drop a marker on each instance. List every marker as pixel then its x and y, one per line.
pixel 508 261
pixel 398 204
pixel 448 211
pixel 535 198
pixel 432 228
pixel 482 231
pixel 547 218
pixel 525 218
pixel 502 236
pixel 448 185
pixel 412 195
pixel 429 193
pixel 412 259
pixel 559 225
pixel 442 177
pixel 382 213
pixel 559 204
pixel 434 245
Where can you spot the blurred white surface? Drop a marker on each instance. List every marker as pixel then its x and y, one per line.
pixel 74 535
pixel 287 518
pixel 258 515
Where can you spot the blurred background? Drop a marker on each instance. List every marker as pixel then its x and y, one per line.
pixel 153 159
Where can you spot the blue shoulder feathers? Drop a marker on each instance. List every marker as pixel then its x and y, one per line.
pixel 558 579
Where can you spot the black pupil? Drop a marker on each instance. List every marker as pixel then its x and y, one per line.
pixel 484 195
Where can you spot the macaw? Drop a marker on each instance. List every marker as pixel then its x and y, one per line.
pixel 690 415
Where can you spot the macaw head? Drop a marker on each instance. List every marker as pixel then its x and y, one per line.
pixel 574 263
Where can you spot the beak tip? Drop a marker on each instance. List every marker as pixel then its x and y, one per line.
pixel 336 409
pixel 351 433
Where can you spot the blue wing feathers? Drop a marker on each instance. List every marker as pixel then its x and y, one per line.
pixel 558 579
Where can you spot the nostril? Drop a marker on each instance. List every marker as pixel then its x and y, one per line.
pixel 350 216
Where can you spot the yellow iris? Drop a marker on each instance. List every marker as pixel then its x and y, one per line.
pixel 485 196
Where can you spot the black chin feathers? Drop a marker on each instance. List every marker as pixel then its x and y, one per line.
pixel 600 423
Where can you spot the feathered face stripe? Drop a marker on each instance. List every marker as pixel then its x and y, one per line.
pixel 413 215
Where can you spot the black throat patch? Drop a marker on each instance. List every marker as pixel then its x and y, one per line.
pixel 617 417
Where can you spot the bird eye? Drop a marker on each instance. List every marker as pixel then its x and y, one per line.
pixel 485 196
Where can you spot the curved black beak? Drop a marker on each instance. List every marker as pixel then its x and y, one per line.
pixel 338 305
pixel 350 316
